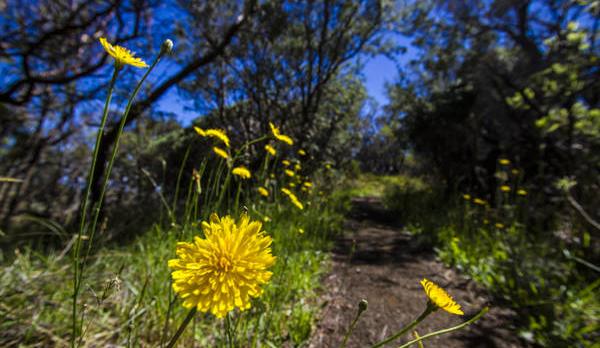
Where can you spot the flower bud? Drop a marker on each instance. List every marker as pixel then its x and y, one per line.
pixel 166 47
pixel 362 305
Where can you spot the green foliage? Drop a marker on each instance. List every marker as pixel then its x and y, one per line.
pixel 520 266
pixel 553 301
pixel 127 288
pixel 483 89
pixel 412 197
pixel 377 186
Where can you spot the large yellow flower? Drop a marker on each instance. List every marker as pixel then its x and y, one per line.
pixel 214 133
pixel 226 268
pixel 440 298
pixel 122 55
pixel 281 137
pixel 242 172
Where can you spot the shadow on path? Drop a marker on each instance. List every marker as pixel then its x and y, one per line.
pixel 379 261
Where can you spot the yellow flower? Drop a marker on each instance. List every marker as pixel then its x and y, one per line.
pixel 281 137
pixel 301 230
pixel 263 191
pixel 499 225
pixel 289 172
pixel 225 269
pixel 479 201
pixel 220 152
pixel 122 55
pixel 297 167
pixel 266 219
pixel 200 131
pixel 295 201
pixel 328 166
pixel 270 149
pixel 215 133
pixel 308 184
pixel 292 185
pixel 302 152
pixel 286 163
pixel 504 161
pixel 440 297
pixel 522 192
pixel 219 134
pixel 505 188
pixel 242 172
pixel 467 197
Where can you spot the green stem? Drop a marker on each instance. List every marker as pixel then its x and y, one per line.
pixel 246 145
pixel 224 189
pixel 228 330
pixel 212 186
pixel 182 327
pixel 358 313
pixel 178 183
pixel 84 206
pixel 237 197
pixel 448 330
pixel 428 310
pixel 264 167
pixel 114 153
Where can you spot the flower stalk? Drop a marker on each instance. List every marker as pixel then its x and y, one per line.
pixel 122 57
pixel 182 327
pixel 362 306
pixel 75 328
pixel 428 310
pixel 448 330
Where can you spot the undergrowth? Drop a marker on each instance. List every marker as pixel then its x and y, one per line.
pixel 132 305
pixel 496 242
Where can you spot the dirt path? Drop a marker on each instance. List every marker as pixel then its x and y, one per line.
pixel 385 269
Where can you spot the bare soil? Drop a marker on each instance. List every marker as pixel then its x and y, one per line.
pixel 380 262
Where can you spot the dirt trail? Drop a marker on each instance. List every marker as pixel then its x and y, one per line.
pixel 385 269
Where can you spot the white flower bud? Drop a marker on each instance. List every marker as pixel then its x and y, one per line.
pixel 166 47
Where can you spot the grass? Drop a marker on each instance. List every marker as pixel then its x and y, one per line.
pixel 127 290
pixel 372 185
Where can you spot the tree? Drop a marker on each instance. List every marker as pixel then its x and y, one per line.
pixel 478 54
